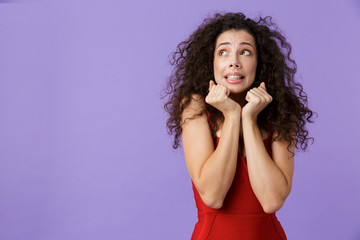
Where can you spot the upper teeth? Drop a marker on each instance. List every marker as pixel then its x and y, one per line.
pixel 233 77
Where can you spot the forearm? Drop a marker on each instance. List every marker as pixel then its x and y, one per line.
pixel 218 172
pixel 267 181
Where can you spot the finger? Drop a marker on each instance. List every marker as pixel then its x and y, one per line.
pixel 247 97
pixel 256 92
pixel 211 83
pixel 266 95
pixel 223 89
pixel 262 85
pixel 250 96
pixel 256 97
pixel 260 92
pixel 215 90
pixel 227 92
pixel 219 90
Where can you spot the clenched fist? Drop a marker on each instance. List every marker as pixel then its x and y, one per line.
pixel 218 97
pixel 258 98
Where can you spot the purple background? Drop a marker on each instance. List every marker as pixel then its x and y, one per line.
pixel 84 150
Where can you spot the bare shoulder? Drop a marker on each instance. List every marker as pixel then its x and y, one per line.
pixel 280 145
pixel 196 137
pixel 195 128
pixel 195 106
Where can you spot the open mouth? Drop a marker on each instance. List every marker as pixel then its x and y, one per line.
pixel 234 77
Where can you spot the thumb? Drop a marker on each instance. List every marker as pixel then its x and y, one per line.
pixel 262 85
pixel 211 84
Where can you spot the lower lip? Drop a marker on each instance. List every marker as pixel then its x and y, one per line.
pixel 233 81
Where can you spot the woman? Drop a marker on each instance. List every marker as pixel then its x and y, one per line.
pixel 240 114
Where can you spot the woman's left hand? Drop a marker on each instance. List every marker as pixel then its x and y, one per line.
pixel 258 98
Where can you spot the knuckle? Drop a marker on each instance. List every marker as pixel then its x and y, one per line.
pixel 208 99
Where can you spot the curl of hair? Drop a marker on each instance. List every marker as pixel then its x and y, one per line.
pixel 192 65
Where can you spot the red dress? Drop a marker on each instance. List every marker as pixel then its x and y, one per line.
pixel 241 216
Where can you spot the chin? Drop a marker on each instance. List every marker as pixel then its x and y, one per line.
pixel 237 89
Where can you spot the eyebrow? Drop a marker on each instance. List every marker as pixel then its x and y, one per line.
pixel 242 43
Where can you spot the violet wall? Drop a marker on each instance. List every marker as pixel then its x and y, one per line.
pixel 84 152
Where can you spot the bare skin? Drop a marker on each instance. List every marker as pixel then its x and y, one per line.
pixel 213 169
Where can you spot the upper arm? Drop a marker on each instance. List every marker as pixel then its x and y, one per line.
pixel 196 138
pixel 284 160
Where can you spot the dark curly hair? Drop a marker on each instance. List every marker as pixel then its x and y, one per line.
pixel 287 114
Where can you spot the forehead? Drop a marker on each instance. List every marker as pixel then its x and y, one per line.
pixel 235 37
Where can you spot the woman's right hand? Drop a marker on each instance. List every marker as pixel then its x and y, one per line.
pixel 218 97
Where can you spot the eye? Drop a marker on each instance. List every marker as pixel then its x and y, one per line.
pixel 222 53
pixel 245 52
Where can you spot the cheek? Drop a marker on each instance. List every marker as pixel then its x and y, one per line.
pixel 216 67
pixel 219 64
pixel 252 67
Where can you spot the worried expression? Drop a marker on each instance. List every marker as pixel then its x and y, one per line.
pixel 235 60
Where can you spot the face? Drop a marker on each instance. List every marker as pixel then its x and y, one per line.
pixel 235 60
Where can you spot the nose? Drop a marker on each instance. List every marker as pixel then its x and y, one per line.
pixel 234 63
